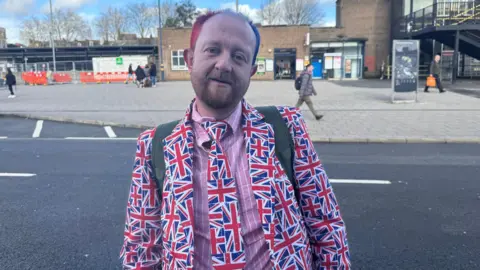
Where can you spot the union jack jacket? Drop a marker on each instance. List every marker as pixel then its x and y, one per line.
pixel 311 236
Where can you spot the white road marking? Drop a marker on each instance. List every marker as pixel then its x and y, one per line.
pixel 38 129
pixel 360 181
pixel 3 138
pixel 100 138
pixel 110 132
pixel 5 174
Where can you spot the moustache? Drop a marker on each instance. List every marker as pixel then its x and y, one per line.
pixel 222 77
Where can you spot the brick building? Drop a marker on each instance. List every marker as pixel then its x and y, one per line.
pixel 283 52
pixel 358 45
pixel 355 48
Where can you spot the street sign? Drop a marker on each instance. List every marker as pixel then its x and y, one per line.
pixel 119 60
pixel 406 56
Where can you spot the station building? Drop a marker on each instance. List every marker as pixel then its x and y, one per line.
pixel 358 46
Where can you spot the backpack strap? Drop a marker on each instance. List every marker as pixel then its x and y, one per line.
pixel 284 147
pixel 161 132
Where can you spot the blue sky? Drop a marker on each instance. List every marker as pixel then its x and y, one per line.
pixel 14 10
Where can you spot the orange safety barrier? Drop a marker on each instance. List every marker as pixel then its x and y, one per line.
pixel 118 76
pixel 87 77
pixel 101 77
pixel 62 78
pixel 105 77
pixel 35 78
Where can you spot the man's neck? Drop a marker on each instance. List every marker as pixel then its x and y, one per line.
pixel 218 114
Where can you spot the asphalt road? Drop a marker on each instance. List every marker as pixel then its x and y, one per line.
pixel 19 128
pixel 70 215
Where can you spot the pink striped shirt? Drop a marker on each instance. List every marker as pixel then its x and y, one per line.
pixel 233 144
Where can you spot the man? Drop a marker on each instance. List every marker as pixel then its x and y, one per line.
pixel 227 202
pixel 307 90
pixel 130 74
pixel 10 81
pixel 435 72
pixel 153 74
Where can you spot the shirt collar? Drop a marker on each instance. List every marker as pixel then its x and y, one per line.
pixel 233 120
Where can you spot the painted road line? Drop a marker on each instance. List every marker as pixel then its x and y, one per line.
pixel 360 181
pixel 100 138
pixel 110 132
pixel 5 174
pixel 38 129
pixel 3 138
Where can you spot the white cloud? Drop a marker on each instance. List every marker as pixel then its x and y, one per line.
pixel 330 23
pixel 60 4
pixel 17 7
pixel 12 26
pixel 252 13
pixel 326 1
pixel 89 17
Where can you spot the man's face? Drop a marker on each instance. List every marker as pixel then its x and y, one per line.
pixel 310 68
pixel 437 58
pixel 221 63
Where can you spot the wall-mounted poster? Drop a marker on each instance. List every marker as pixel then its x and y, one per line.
pixel 299 64
pixel 348 65
pixel 261 65
pixel 328 62
pixel 269 65
pixel 337 62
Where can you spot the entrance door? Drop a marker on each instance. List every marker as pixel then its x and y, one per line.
pixel 354 68
pixel 317 68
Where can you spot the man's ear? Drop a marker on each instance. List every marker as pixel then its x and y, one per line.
pixel 253 71
pixel 188 57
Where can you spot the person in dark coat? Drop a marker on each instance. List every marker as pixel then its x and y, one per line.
pixel 153 74
pixel 10 81
pixel 140 74
pixel 130 74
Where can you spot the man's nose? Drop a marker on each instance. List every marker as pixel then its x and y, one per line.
pixel 224 62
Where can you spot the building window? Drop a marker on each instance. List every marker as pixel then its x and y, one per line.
pixel 178 63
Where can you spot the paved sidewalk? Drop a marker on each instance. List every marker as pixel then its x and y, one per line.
pixel 352 113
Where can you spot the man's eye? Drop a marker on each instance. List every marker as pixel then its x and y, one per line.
pixel 239 57
pixel 212 50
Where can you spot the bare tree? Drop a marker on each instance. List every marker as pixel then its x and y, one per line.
pixel 142 18
pixel 118 21
pixel 67 26
pixel 302 12
pixel 168 10
pixel 269 12
pixel 34 29
pixel 111 24
pixel 102 25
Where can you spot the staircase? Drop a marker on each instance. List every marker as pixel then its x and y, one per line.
pixel 441 22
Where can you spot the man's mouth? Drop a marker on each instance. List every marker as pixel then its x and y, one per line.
pixel 221 81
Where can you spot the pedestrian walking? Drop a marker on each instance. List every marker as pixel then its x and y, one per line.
pixel 307 90
pixel 153 74
pixel 435 72
pixel 209 192
pixel 10 81
pixel 130 74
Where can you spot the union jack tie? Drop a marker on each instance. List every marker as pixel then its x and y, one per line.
pixel 226 240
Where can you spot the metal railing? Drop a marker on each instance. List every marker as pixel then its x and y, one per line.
pixel 439 14
pixel 69 67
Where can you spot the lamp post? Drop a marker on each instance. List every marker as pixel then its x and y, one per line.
pixel 51 38
pixel 236 5
pixel 160 42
